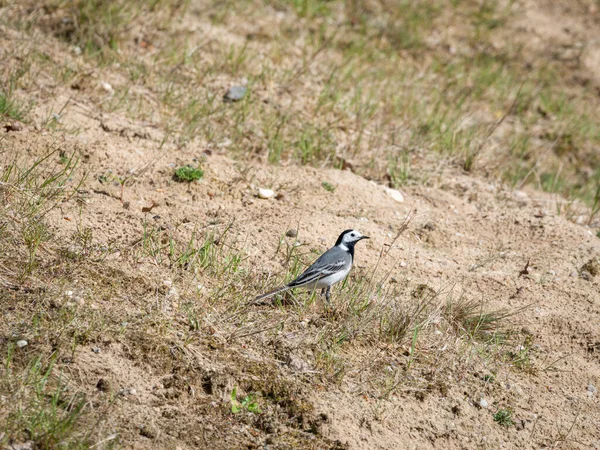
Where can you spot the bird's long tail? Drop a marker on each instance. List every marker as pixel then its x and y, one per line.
pixel 273 292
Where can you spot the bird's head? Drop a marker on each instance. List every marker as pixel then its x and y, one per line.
pixel 350 237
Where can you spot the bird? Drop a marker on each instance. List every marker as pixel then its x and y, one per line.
pixel 330 268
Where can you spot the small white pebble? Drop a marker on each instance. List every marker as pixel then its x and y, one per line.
pixel 520 195
pixel 107 87
pixel 265 193
pixel 167 283
pixel 395 194
pixel 69 293
pixel 483 403
pixel 22 343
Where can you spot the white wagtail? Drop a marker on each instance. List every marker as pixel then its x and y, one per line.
pixel 331 267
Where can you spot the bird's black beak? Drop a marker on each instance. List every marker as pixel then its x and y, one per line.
pixel 364 237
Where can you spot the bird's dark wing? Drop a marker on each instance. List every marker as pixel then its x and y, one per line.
pixel 318 270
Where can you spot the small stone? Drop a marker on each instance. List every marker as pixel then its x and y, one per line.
pixel 520 195
pixel 591 388
pixel 395 194
pixel 96 350
pixel 22 343
pixel 573 274
pixel 13 126
pixel 291 233
pixel 585 275
pixel 167 283
pixel 148 431
pixel 429 226
pixel 297 364
pixel 173 293
pixel 69 293
pixel 526 331
pixel 107 87
pixel 265 193
pixel 80 301
pixel 235 93
pixel 483 403
pixel 519 424
pixel 128 391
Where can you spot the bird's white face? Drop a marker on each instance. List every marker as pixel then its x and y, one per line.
pixel 352 236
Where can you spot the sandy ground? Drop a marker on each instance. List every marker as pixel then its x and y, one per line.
pixel 468 234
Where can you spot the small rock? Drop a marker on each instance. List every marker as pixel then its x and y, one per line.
pixel 69 293
pixel 520 195
pixel 519 424
pixel 297 364
pixel 22 343
pixel 291 233
pixel 483 403
pixel 13 126
pixel 265 193
pixel 526 331
pixel 574 274
pixel 173 293
pixel 106 86
pixel 96 350
pixel 591 388
pixel 128 391
pixel 148 431
pixel 585 275
pixel 396 195
pixel 27 445
pixel 80 301
pixel 235 93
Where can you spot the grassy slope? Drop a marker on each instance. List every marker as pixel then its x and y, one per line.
pixel 395 90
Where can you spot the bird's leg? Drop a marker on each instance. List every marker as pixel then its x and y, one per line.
pixel 327 293
pixel 323 291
